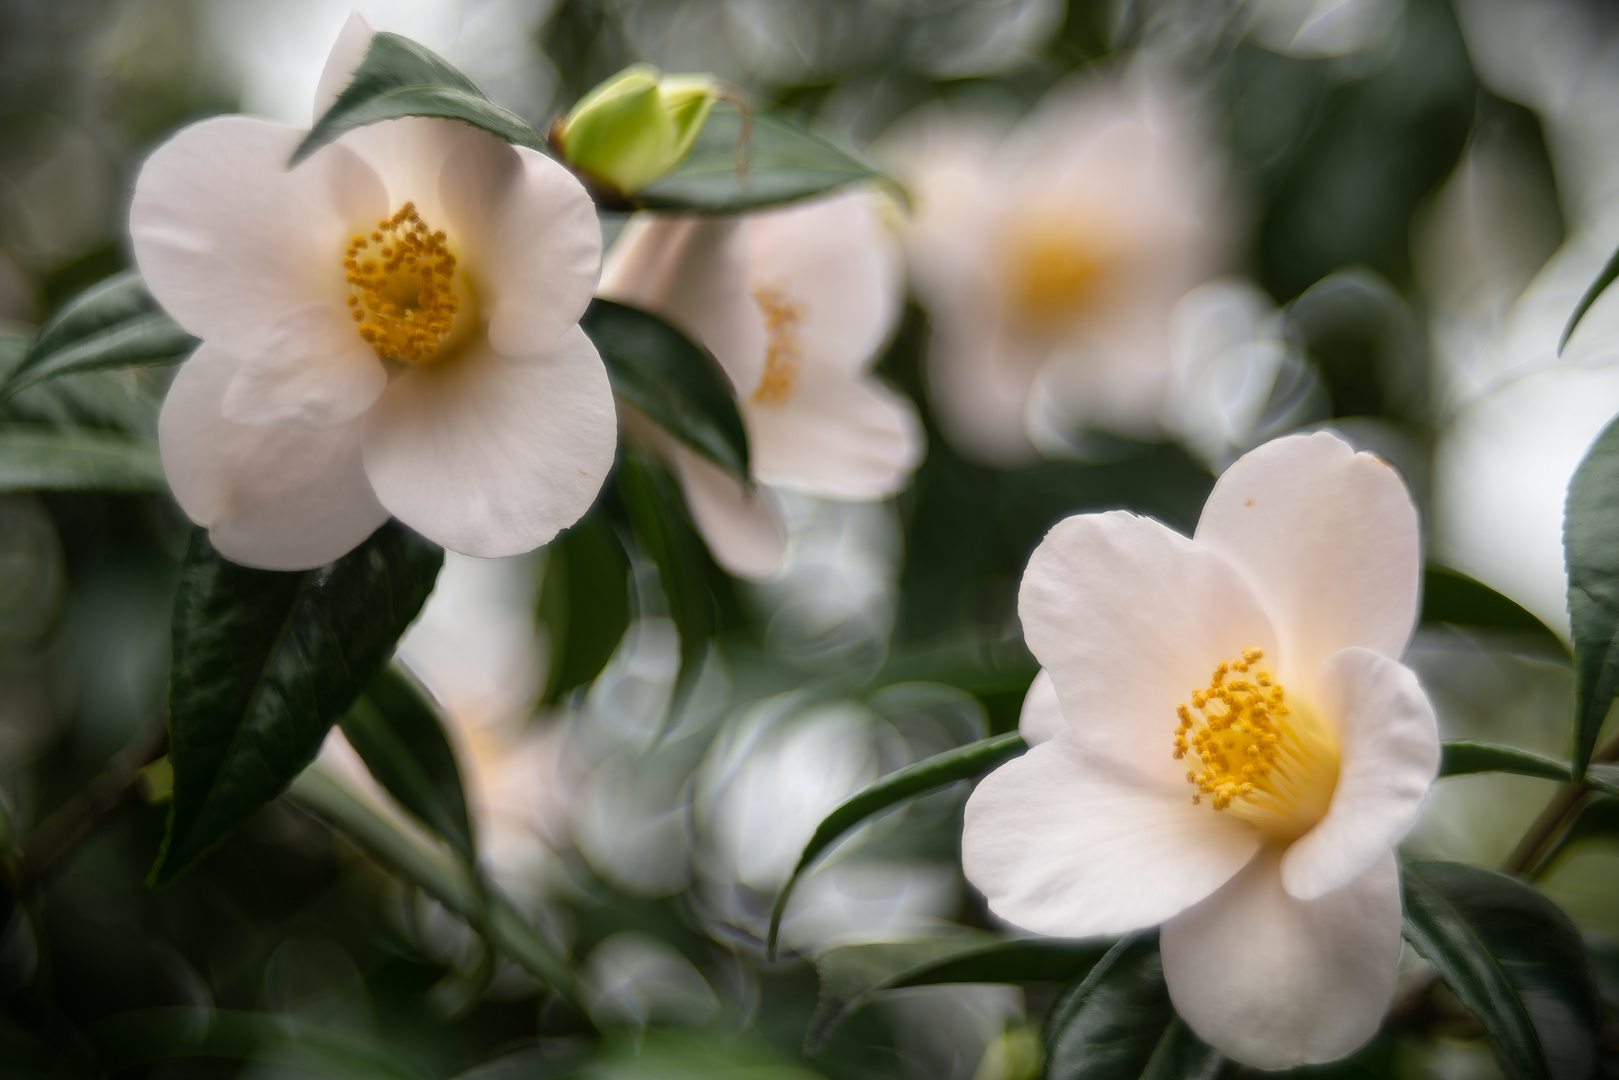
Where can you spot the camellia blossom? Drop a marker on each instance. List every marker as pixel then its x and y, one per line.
pixel 1049 260
pixel 1224 741
pixel 391 327
pixel 794 304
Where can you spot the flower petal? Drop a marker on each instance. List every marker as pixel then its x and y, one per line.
pixel 352 43
pixel 491 455
pixel 1274 981
pixel 1390 757
pixel 1327 539
pixel 531 238
pixel 837 262
pixel 271 497
pixel 839 436
pixel 744 532
pixel 1041 717
pixel 1061 841
pixel 1129 617
pixel 979 376
pixel 231 243
pixel 693 272
pixel 313 371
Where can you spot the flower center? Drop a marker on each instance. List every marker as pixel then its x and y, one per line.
pixel 1055 269
pixel 403 289
pixel 1270 763
pixel 782 351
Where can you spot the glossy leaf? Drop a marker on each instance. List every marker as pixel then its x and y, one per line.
pixel 584 604
pixel 852 975
pixel 1603 777
pixel 1513 960
pixel 1590 526
pixel 36 458
pixel 113 324
pixel 1462 757
pixel 1118 1024
pixel 264 663
pixel 672 379
pixel 1610 271
pixel 785 162
pixel 400 78
pixel 396 731
pixel 961 763
pixel 1449 596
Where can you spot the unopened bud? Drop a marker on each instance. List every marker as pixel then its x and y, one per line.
pixel 637 126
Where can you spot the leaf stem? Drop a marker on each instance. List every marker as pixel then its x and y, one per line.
pixel 1551 820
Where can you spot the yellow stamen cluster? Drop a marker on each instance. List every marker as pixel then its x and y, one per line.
pixel 783 352
pixel 402 287
pixel 1235 728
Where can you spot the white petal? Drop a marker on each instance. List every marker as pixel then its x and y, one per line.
pixel 1063 842
pixel 744 532
pixel 1327 539
pixel 835 260
pixel 1041 717
pixel 230 242
pixel 491 455
pixel 840 435
pixel 409 156
pixel 531 239
pixel 275 498
pixel 1129 618
pixel 693 272
pixel 1273 981
pixel 978 379
pixel 313 371
pixel 347 51
pixel 1390 757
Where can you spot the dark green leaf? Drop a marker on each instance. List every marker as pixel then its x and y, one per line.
pixel 1598 287
pixel 584 604
pixel 1462 757
pixel 1452 597
pixel 264 663
pixel 672 379
pixel 68 459
pixel 400 78
pixel 1604 777
pixel 113 324
pixel 786 161
pixel 962 763
pixel 1512 958
pixel 1119 1024
pixel 1590 525
pixel 397 734
pixel 851 975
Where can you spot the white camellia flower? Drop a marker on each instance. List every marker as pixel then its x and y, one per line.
pixel 1049 260
pixel 391 327
pixel 795 305
pixel 1225 742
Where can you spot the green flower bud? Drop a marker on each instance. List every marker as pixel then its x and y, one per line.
pixel 637 126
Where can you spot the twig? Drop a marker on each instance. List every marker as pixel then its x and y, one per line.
pixel 1546 826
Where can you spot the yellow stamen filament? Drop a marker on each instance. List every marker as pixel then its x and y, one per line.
pixel 402 287
pixel 782 352
pixel 1259 757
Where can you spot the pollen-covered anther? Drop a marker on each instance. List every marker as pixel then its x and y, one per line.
pixel 402 288
pixel 1254 755
pixel 782 351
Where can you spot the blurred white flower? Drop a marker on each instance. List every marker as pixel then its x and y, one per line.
pixel 1049 260
pixel 776 770
pixel 1322 28
pixel 794 304
pixel 637 979
pixel 1274 875
pixel 389 328
pixel 1236 377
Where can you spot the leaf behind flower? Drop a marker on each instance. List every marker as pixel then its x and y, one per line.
pixel 40 458
pixel 1590 522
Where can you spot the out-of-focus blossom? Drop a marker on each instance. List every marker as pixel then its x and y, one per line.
pixel 1252 812
pixel 636 979
pixel 1050 260
pixel 1236 377
pixel 636 126
pixel 1322 28
pixel 776 770
pixel 794 304
pixel 389 328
